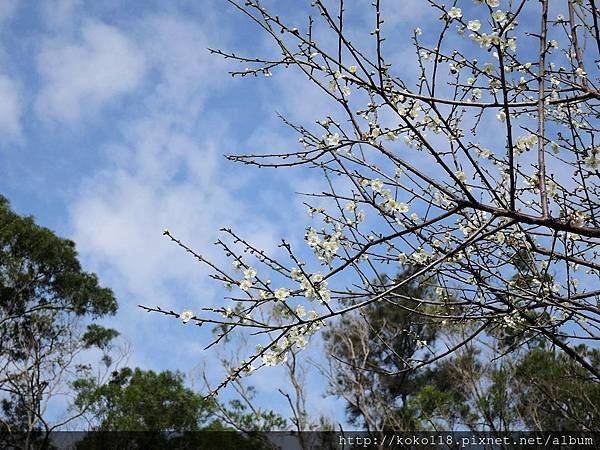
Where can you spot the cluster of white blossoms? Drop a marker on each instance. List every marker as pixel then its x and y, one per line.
pixel 513 321
pixel 389 201
pixel 411 110
pixel 591 161
pixel 333 140
pixel 490 3
pixel 420 256
pixel 314 288
pixel 297 338
pixel 325 249
pixel 282 294
pixel 525 143
pixel 461 176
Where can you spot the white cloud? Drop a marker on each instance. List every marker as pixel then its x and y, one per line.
pixel 83 76
pixel 176 48
pixel 10 107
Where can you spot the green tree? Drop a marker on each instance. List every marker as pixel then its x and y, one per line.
pixel 372 352
pixel 45 301
pixel 534 388
pixel 156 410
pixel 138 400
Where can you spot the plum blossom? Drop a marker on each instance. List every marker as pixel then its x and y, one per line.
pixel 455 13
pixel 282 294
pixel 186 315
pixel 474 25
pixel 461 176
pixel 376 185
pixel 333 139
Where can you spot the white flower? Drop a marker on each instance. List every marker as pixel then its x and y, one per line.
pixel 455 13
pixel 420 256
pixel 300 311
pixel 486 153
pixel 245 285
pixel 325 294
pixel 186 315
pixel 312 315
pixel 580 72
pixel 501 116
pixel 418 31
pixel 352 69
pixel 376 185
pixel 296 274
pixel 591 162
pixel 249 273
pixel 512 44
pixel 474 25
pixel 300 341
pixel 333 139
pixel 270 359
pixel 500 238
pixel 403 207
pixel 350 206
pixel 493 3
pixel 461 176
pixel 282 294
pixel 312 238
pixel 248 368
pixel 499 15
pixel 391 136
pixel 317 277
pixel 402 258
pixel 526 142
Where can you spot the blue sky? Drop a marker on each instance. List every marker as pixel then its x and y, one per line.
pixel 113 125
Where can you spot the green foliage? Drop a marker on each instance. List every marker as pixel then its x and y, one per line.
pixel 98 336
pixel 250 418
pixel 534 388
pixel 39 270
pixel 556 393
pixel 378 347
pixel 45 297
pixel 137 400
pixel 156 410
